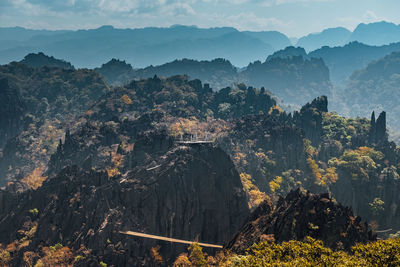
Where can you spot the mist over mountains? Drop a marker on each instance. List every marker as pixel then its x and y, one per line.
pixel 143 47
pixel 378 33
pixel 329 37
pixel 154 46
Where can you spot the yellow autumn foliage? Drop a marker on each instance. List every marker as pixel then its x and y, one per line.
pixel 35 179
pixel 312 252
pixel 314 169
pixel 275 184
pixel 275 109
pixel 331 175
pixel 117 160
pixel 126 99
pixel 256 197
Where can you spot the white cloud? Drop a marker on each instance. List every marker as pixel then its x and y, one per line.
pixel 28 8
pixel 265 2
pixel 281 2
pixel 117 6
pixel 241 14
pixel 103 6
pixel 370 16
pixel 178 9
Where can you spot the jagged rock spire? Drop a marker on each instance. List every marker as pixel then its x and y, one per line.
pixel 372 131
pixel 378 132
pixel 67 135
pixel 381 133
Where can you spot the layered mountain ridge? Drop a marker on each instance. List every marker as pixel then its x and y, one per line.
pixel 151 46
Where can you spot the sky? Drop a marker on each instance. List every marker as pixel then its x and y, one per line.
pixel 295 18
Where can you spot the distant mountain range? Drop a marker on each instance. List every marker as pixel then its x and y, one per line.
pixel 329 37
pixel 141 47
pixel 154 46
pixel 377 33
pixel 343 61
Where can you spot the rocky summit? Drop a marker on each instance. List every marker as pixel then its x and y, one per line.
pixel 301 214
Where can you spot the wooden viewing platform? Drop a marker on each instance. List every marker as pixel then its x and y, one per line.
pixel 194 142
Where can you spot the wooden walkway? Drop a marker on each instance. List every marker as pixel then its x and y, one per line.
pixel 174 240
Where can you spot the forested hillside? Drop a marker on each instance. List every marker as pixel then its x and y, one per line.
pixel 287 74
pixel 38 105
pixel 132 139
pixel 219 73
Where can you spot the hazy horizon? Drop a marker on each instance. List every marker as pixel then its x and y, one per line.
pixel 294 18
pixel 194 26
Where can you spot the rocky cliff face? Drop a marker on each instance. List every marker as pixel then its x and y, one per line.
pixel 12 110
pixel 378 132
pixel 93 145
pixel 302 214
pixel 269 144
pixel 193 193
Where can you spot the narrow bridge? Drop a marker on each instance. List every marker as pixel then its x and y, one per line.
pixel 174 240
